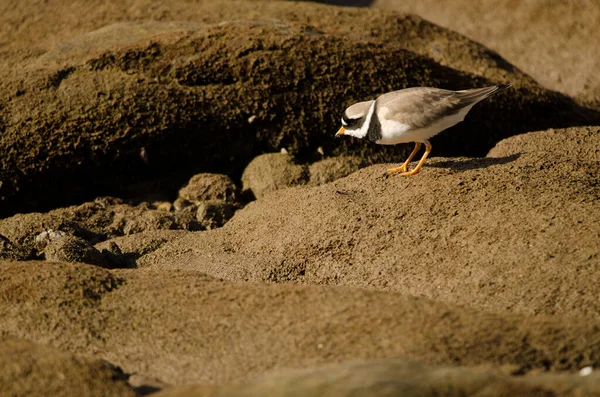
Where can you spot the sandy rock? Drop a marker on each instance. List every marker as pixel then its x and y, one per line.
pixel 550 39
pixel 210 187
pixel 184 327
pixel 47 236
pixel 396 377
pixel 126 250
pixel 464 230
pixel 30 369
pixel 144 385
pixel 165 107
pixel 273 171
pixel 94 222
pixel 330 169
pixel 214 214
pixel 10 251
pixel 180 204
pixel 74 249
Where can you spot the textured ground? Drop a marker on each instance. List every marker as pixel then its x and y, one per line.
pixel 114 101
pixel 478 276
pixel 553 41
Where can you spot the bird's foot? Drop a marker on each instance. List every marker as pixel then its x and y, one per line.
pixel 393 171
pixel 409 173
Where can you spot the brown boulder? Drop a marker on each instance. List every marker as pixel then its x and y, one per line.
pixel 273 171
pixel 210 187
pixel 396 377
pixel 94 222
pixel 127 249
pixel 516 231
pixel 214 214
pixel 10 251
pixel 169 97
pixel 183 327
pixel 30 369
pixel 330 169
pixel 554 42
pixel 74 249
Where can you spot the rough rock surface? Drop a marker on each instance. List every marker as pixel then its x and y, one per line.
pixel 397 377
pixel 210 187
pixel 131 247
pixel 105 105
pixel 30 369
pixel 330 169
pixel 485 269
pixel 214 214
pixel 10 251
pixel 184 327
pixel 548 40
pixel 74 249
pixel 517 230
pixel 273 171
pixel 94 222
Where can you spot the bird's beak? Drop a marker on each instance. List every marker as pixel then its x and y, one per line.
pixel 340 132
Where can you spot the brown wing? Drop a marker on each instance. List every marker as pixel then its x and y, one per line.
pixel 421 106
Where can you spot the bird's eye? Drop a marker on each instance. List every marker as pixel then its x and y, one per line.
pixel 348 121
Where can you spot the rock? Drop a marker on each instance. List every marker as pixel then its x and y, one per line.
pixel 44 238
pixel 73 249
pixel 544 47
pixel 184 327
pixel 394 377
pixel 115 257
pixel 214 214
pixel 448 233
pixel 180 204
pixel 273 171
pixel 10 251
pixel 30 369
pixel 163 206
pixel 144 385
pixel 330 169
pixel 209 187
pixel 94 222
pixel 126 250
pixel 164 107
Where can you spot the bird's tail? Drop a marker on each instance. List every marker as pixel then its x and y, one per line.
pixel 502 87
pixel 467 97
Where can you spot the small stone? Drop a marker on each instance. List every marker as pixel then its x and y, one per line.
pixel 273 171
pixel 114 256
pixel 207 187
pixel 73 249
pixel 214 214
pixel 585 371
pixel 163 206
pixel 45 237
pixel 181 203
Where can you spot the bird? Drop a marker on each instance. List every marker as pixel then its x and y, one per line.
pixel 411 115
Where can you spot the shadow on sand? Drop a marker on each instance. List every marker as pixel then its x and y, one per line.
pixel 461 165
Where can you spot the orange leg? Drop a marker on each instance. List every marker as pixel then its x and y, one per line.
pixel 418 167
pixel 404 166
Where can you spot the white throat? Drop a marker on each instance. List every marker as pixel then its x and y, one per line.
pixel 364 128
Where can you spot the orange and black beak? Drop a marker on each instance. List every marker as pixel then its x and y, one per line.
pixel 340 132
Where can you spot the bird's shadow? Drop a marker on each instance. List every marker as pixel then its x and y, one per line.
pixel 474 163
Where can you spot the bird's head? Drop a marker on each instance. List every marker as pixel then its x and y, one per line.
pixel 355 120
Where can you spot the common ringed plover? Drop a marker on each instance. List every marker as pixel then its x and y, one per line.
pixel 411 115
